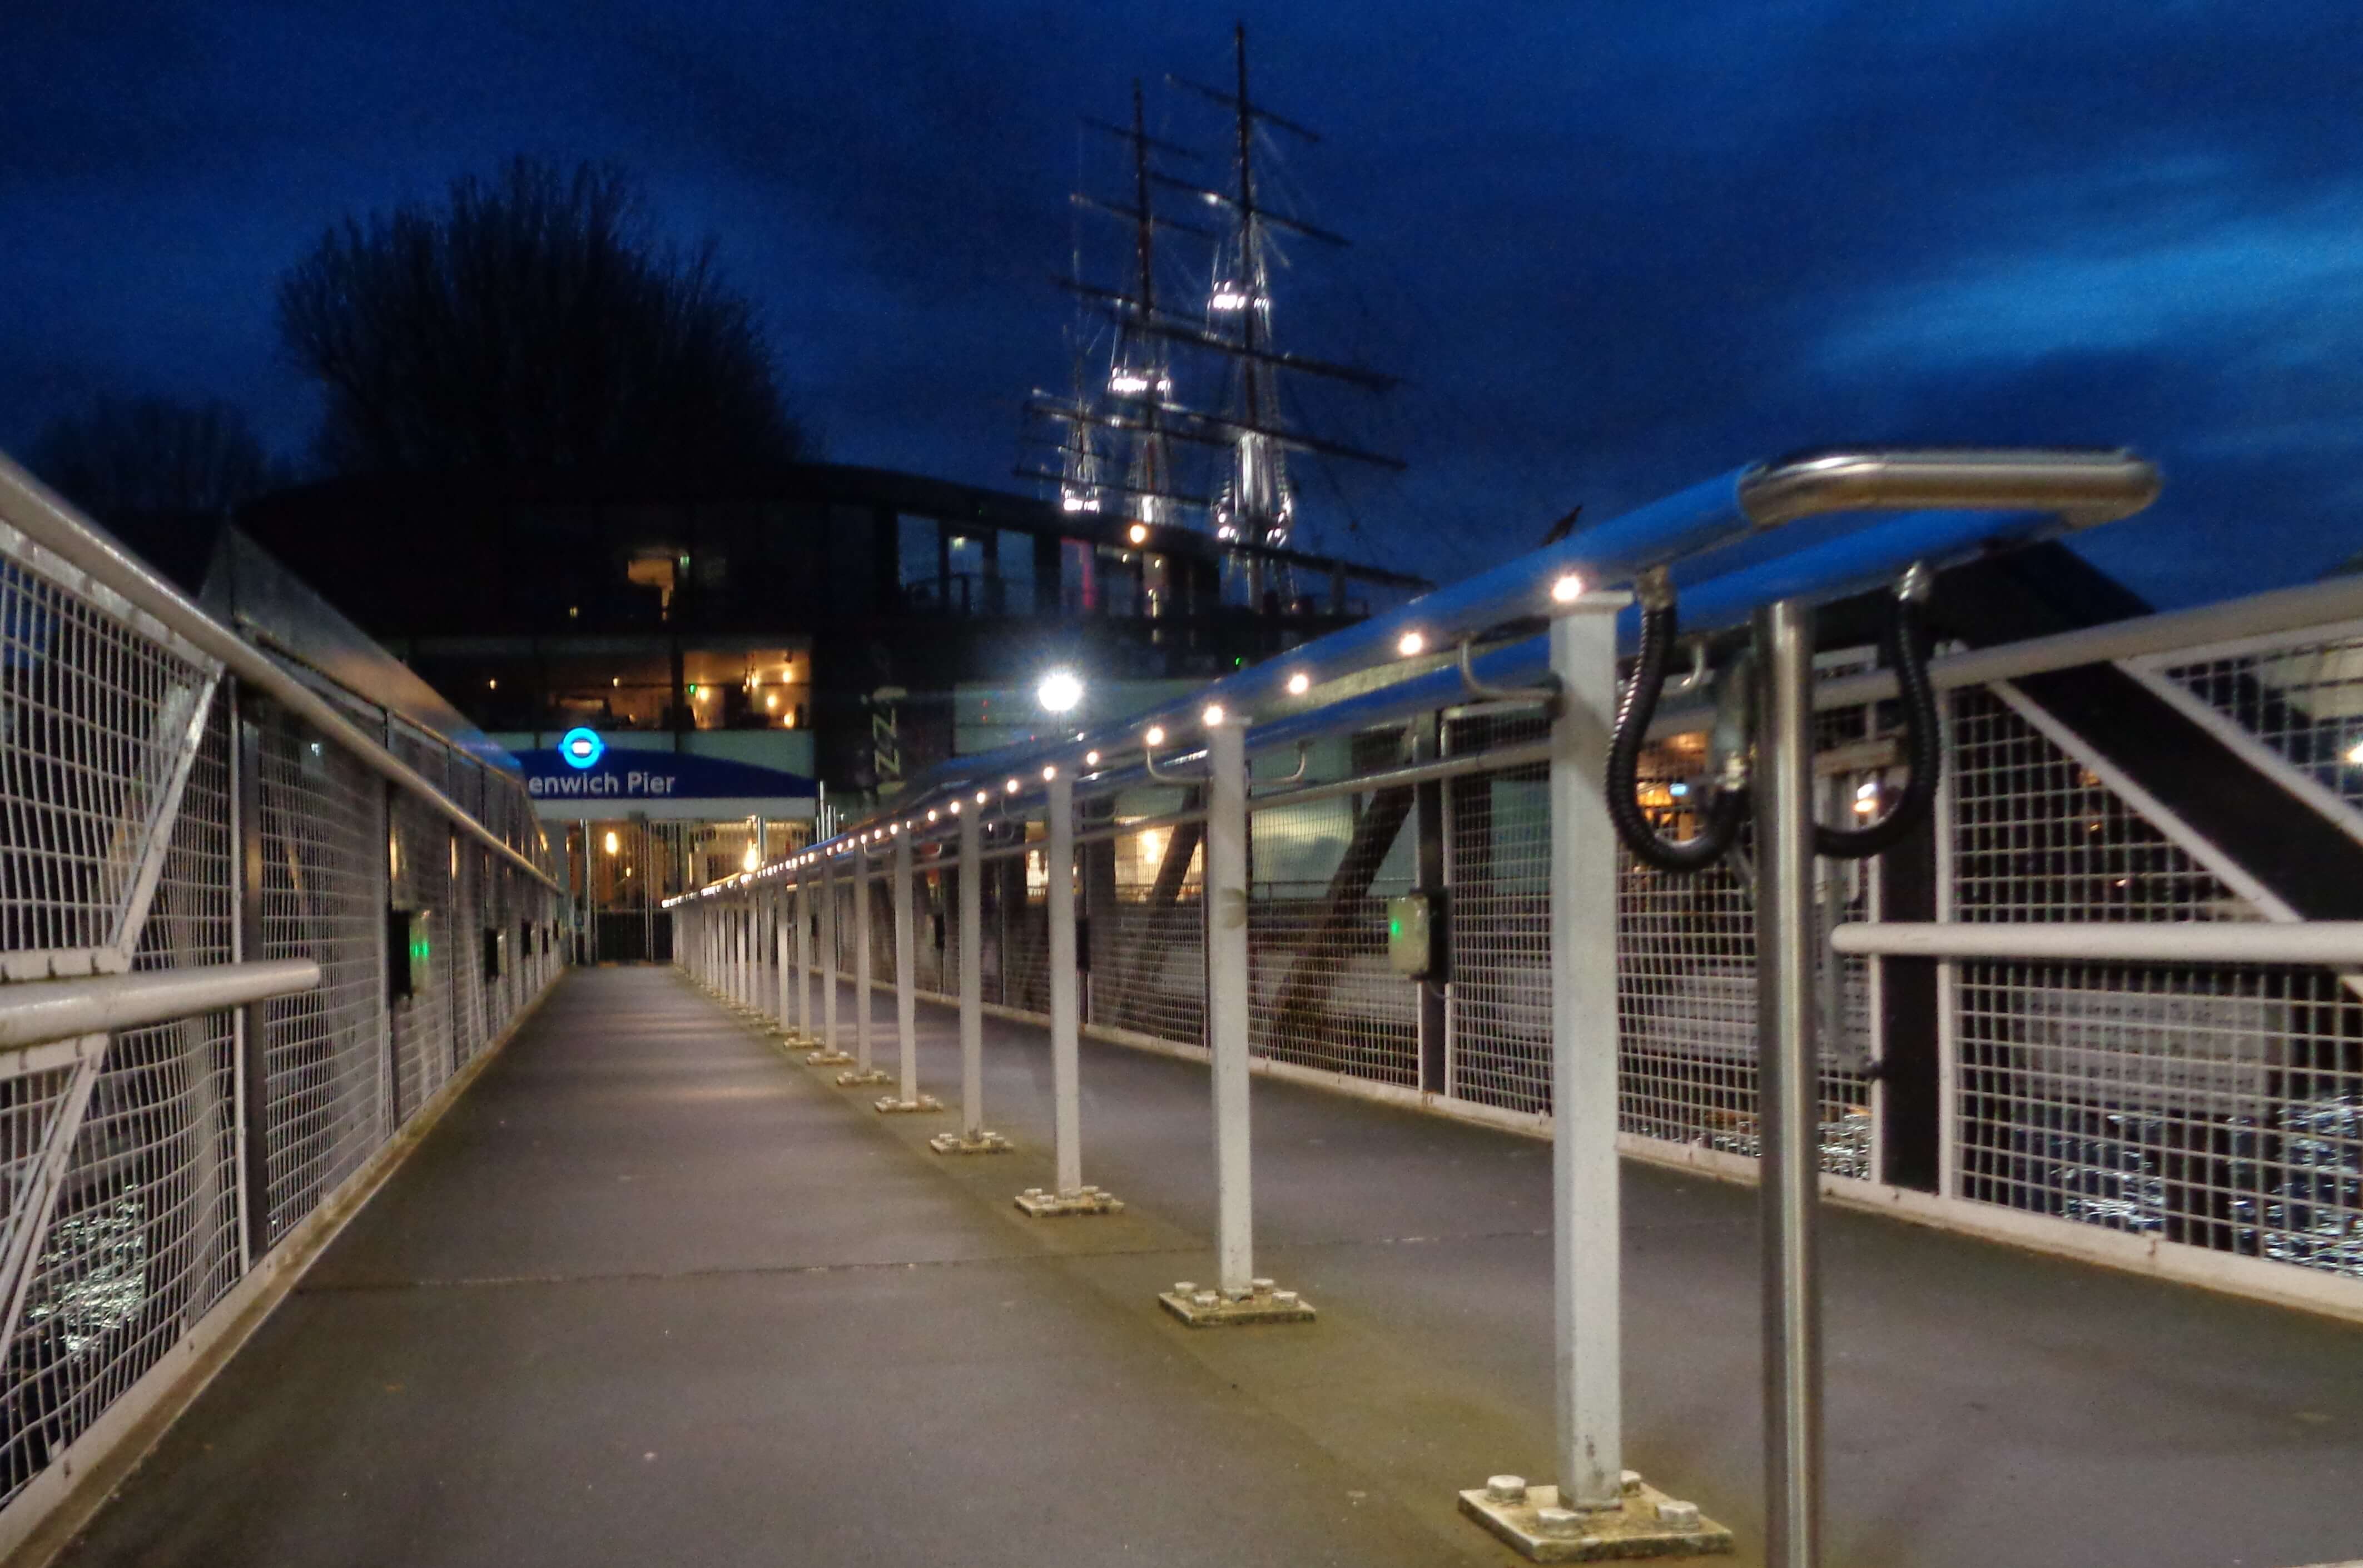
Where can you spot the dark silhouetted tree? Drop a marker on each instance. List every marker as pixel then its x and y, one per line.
pixel 125 460
pixel 530 322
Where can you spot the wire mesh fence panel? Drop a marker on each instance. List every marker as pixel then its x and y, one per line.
pixel 1497 864
pixel 421 843
pixel 100 712
pixel 1320 992
pixel 2218 1107
pixel 143 1238
pixel 1147 938
pixel 1025 930
pixel 881 926
pixel 466 949
pixel 2299 695
pixel 1001 904
pixel 321 831
pixel 144 1235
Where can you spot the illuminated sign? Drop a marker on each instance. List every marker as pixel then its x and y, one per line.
pixel 581 747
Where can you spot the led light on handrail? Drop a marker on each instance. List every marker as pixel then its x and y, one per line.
pixel 1048 774
pixel 1299 684
pixel 1212 715
pixel 953 808
pixel 980 796
pixel 931 816
pixel 1011 787
pixel 1090 760
pixel 1411 643
pixel 1567 589
pixel 1156 735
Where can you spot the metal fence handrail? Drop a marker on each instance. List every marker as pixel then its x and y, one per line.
pixel 28 506
pixel 40 1011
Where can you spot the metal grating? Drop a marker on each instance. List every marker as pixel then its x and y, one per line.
pixel 1320 993
pixel 2300 695
pixel 97 718
pixel 323 898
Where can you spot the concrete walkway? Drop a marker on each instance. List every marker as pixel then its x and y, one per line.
pixel 653 1294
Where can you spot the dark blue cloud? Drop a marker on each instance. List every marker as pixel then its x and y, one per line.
pixel 1613 249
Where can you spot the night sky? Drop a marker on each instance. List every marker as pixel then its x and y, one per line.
pixel 1613 248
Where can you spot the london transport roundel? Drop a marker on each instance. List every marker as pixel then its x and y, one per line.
pixel 581 747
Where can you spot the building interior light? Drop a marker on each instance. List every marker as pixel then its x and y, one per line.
pixel 752 858
pixel 612 844
pixel 1137 533
pixel 2355 754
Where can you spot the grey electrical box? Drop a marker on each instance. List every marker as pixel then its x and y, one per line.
pixel 410 952
pixel 1416 936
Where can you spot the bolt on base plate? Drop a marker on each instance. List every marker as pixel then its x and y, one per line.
pixel 1207 1308
pixel 857 1078
pixel 829 1058
pixel 985 1143
pixel 1646 1523
pixel 1046 1205
pixel 889 1106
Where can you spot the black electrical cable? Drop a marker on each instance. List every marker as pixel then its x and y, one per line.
pixel 1904 644
pixel 1723 813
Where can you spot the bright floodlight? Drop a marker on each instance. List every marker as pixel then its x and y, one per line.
pixel 1060 691
pixel 1567 589
pixel 1299 684
pixel 1410 643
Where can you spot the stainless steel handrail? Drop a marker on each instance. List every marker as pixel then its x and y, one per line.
pixel 39 1011
pixel 28 505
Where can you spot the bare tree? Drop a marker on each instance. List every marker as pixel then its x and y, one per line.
pixel 129 459
pixel 532 320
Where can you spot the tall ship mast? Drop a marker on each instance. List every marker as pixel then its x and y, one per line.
pixel 1227 338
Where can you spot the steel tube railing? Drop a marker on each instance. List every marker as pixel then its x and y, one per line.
pixel 27 506
pixel 2332 943
pixel 35 1012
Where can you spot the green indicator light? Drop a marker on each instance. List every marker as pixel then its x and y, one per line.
pixel 1394 928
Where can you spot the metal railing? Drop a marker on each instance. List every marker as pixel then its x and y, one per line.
pixel 2195 1111
pixel 206 1048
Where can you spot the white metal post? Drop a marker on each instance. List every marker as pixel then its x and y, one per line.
pixel 1585 1234
pixel 1066 1112
pixel 861 1029
pixel 800 908
pixel 1227 1001
pixel 971 978
pixel 781 933
pixel 907 1021
pixel 828 956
